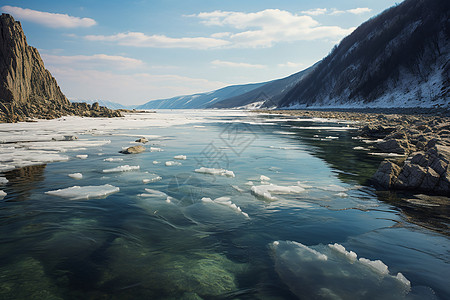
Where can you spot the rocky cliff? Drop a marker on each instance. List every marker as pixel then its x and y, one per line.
pixel 27 89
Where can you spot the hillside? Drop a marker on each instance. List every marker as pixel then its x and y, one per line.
pixel 27 89
pixel 399 58
pixel 269 94
pixel 201 100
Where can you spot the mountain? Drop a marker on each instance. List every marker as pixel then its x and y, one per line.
pixel 201 100
pixel 399 58
pixel 27 89
pixel 105 103
pixel 268 94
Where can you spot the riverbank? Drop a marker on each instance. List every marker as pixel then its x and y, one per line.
pixel 417 146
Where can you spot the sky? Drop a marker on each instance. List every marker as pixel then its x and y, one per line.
pixel 131 52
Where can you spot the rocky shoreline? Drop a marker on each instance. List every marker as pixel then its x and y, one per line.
pixel 420 144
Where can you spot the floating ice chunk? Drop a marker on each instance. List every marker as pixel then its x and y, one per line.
pixel 172 163
pixel 155 162
pixel 238 189
pixel 265 191
pixel 155 149
pixel 387 154
pixel 84 192
pixel 3 181
pixel 377 265
pixel 199 126
pixel 76 175
pixel 180 157
pixel 212 171
pixel 2 194
pixel 124 168
pixel 113 159
pixel 342 194
pixel 226 202
pixel 153 193
pixel 264 178
pixel 284 132
pixel 304 185
pixel 250 183
pixel 341 275
pixel 82 156
pixel 154 179
pixel 332 137
pixel 360 148
pixel 341 249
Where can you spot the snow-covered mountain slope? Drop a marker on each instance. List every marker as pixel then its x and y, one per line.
pixel 201 100
pixel 268 94
pixel 398 59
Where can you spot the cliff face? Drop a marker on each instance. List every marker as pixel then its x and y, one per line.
pixel 27 89
pixel 23 75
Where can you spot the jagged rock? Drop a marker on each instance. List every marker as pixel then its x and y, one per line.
pixel 410 177
pixel 133 150
pixel 400 146
pixel 95 106
pixel 376 131
pixel 386 174
pixel 142 140
pixel 27 89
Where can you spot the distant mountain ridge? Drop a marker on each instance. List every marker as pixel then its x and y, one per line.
pixel 200 100
pixel 399 58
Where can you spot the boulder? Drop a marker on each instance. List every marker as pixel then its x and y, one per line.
pixel 386 174
pixel 410 177
pixel 142 140
pixel 399 146
pixel 133 150
pixel 376 131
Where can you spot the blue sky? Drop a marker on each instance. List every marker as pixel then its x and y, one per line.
pixel 131 52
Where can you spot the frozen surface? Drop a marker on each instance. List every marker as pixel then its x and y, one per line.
pixel 266 190
pixel 212 171
pixel 85 192
pixel 124 168
pixel 76 175
pixel 332 272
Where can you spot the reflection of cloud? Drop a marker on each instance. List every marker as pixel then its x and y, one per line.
pixel 127 89
pixel 52 20
pixel 93 60
pixel 139 39
pixel 222 63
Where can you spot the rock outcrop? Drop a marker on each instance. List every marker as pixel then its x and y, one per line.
pixel 27 89
pixel 133 150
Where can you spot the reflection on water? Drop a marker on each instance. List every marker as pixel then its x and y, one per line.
pixel 200 236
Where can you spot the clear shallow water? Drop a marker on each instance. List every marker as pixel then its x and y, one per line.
pixel 133 246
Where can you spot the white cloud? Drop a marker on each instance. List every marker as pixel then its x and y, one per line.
pixel 139 39
pixel 93 60
pixel 222 63
pixel 52 20
pixel 315 11
pixel 359 10
pixel 290 64
pixel 137 88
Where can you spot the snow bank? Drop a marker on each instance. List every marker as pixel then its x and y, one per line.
pixel 212 171
pixel 124 168
pixel 76 175
pixel 332 272
pixel 266 190
pixel 180 157
pixel 84 192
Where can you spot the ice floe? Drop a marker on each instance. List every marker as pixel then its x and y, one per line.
pixel 237 188
pixel 82 156
pixel 266 190
pixel 154 179
pixel 264 178
pixel 76 175
pixel 212 171
pixel 2 194
pixel 124 168
pixel 226 202
pixel 85 192
pixel 155 162
pixel 155 149
pixel 172 163
pixel 180 157
pixel 360 148
pixel 111 159
pixel 332 272
pixel 3 180
pixel 285 132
